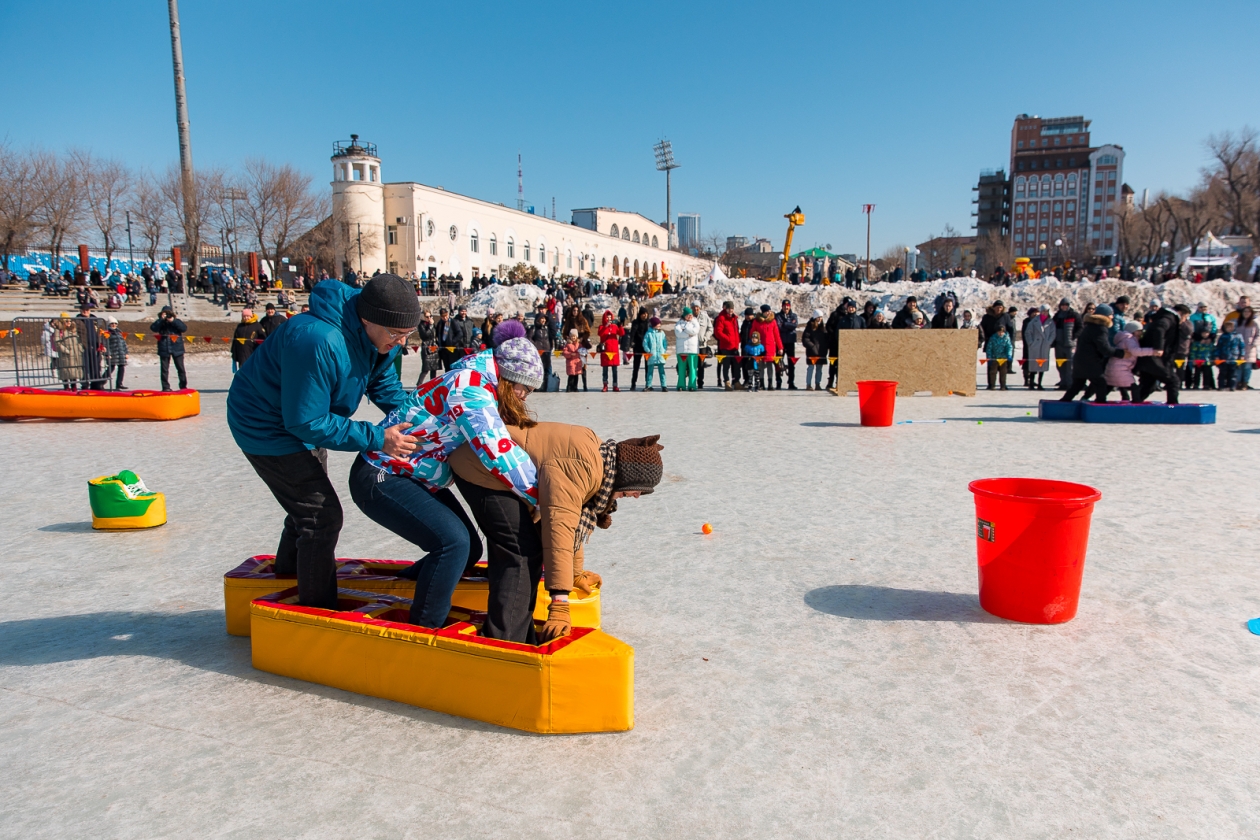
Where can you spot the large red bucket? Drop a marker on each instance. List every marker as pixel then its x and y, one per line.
pixel 876 399
pixel 1031 535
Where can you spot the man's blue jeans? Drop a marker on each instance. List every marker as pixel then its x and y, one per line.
pixel 436 522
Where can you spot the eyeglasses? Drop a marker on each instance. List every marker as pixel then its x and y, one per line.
pixel 395 335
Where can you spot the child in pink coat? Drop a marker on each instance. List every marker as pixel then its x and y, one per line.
pixel 1119 373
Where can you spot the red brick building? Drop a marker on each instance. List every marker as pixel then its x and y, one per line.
pixel 1063 191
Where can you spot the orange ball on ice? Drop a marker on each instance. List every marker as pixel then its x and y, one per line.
pixel 706 528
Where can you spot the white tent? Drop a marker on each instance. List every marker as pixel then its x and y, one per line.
pixel 1211 251
pixel 716 274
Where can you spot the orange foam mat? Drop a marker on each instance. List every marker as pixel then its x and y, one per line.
pixel 28 403
pixel 257 577
pixel 582 682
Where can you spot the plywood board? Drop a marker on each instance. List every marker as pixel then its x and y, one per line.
pixel 940 361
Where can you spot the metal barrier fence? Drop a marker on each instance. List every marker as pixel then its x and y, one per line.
pixel 66 352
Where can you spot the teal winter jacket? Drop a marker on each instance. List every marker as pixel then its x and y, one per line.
pixel 302 385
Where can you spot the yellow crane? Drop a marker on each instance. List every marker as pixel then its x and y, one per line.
pixel 796 217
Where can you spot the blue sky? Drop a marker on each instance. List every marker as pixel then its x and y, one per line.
pixel 825 105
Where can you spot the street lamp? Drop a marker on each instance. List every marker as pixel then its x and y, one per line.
pixel 665 163
pixel 1163 246
pixel 908 250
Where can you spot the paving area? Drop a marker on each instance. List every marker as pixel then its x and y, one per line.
pixel 818 667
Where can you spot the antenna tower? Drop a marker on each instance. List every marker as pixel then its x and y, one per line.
pixel 520 184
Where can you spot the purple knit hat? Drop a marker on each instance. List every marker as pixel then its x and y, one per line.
pixel 519 362
pixel 511 328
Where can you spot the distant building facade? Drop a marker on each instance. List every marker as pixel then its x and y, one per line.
pixel 942 253
pixel 688 231
pixel 410 228
pixel 1063 191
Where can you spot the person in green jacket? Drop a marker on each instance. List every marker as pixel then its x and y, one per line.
pixel 1001 353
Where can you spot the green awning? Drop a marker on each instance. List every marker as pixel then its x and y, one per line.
pixel 815 253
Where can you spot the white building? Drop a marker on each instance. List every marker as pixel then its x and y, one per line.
pixel 409 228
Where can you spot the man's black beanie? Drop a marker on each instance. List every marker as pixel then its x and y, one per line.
pixel 390 301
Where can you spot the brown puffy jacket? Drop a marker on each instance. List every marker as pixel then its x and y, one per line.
pixel 570 470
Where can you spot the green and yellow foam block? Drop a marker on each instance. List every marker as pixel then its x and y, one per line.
pixel 122 503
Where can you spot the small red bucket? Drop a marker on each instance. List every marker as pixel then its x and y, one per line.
pixel 1031 536
pixel 876 399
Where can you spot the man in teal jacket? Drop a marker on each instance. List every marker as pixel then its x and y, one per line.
pixel 293 399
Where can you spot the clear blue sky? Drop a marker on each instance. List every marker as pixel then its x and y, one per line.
pixel 769 105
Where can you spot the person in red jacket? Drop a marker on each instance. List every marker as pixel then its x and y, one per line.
pixel 726 334
pixel 769 329
pixel 610 333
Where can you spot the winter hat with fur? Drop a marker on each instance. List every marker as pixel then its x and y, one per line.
pixel 506 330
pixel 639 465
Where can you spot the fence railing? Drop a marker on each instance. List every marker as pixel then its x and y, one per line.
pixel 65 352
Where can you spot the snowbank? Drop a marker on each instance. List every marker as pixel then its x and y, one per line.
pixel 510 300
pixel 974 294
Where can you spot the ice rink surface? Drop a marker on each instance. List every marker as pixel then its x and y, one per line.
pixel 818 667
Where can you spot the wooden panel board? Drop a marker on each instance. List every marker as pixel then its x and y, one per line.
pixel 940 361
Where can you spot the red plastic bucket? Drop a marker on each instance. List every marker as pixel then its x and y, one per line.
pixel 1031 535
pixel 876 398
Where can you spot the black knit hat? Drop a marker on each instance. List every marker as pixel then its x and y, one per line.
pixel 639 464
pixel 389 301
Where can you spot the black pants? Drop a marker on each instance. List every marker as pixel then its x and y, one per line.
pixel 1091 388
pixel 729 368
pixel 545 357
pixel 179 368
pixel 312 523
pixel 634 370
pixel 571 385
pixel 1065 369
pixel 1146 386
pixel 997 374
pixel 1202 376
pixel 789 352
pixel 513 561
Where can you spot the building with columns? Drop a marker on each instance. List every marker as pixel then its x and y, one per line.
pixel 411 228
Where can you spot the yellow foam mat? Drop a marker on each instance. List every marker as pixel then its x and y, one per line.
pixel 256 577
pixel 583 682
pixel 151 518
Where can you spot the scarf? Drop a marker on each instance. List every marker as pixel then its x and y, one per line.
pixel 598 508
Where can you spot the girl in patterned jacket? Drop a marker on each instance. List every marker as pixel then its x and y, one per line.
pixel 470 404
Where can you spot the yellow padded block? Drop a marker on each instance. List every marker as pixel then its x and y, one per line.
pixel 256 577
pixel 583 682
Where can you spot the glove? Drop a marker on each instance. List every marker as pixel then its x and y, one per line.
pixel 557 623
pixel 585 581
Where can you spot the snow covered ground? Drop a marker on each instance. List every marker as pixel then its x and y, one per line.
pixel 819 666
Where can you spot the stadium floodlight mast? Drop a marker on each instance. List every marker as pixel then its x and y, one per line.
pixel 665 163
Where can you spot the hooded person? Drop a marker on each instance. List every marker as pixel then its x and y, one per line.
pixel 610 333
pixel 1038 342
pixel 297 398
pixel 638 331
pixel 1067 327
pixel 1089 361
pixel 580 480
pixel 769 329
pixel 1119 373
pixel 726 334
pixel 687 346
pixel 245 338
pixel 1162 333
pixel 472 403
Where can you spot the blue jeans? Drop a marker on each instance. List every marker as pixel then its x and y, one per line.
pixel 436 522
pixel 1244 375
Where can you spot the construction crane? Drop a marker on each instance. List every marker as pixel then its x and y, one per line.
pixel 796 217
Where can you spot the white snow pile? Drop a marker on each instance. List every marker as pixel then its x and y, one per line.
pixel 510 300
pixel 972 293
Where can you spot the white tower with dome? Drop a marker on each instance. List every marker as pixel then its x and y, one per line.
pixel 358 207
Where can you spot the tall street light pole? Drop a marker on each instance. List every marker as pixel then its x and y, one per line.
pixel 191 220
pixel 665 163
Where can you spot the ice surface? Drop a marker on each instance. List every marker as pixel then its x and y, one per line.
pixel 818 667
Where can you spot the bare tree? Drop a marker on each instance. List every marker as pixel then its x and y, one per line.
pixel 108 190
pixel 992 250
pixel 149 208
pixel 1191 217
pixel 223 199
pixel 19 204
pixel 188 219
pixel 278 205
pixel 59 186
pixel 1236 173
